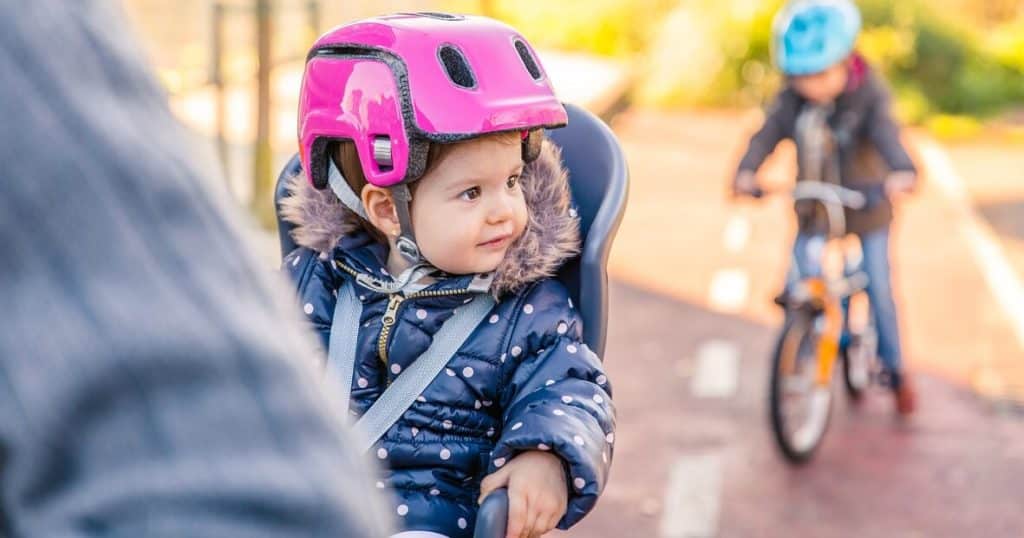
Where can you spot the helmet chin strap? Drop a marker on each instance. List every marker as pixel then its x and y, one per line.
pixel 343 190
pixel 406 241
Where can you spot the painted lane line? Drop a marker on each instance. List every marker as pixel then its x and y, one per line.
pixel 1004 282
pixel 718 366
pixel 693 497
pixel 728 291
pixel 736 234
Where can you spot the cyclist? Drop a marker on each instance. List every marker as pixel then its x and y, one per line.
pixel 813 45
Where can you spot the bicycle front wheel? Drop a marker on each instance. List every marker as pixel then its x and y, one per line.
pixel 800 408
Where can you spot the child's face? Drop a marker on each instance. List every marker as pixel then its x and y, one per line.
pixel 823 87
pixel 469 209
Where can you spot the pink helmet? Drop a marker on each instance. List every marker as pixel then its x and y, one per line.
pixel 393 84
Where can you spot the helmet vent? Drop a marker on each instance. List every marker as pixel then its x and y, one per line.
pixel 456 66
pixel 528 61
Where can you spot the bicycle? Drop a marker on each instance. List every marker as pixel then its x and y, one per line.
pixel 819 329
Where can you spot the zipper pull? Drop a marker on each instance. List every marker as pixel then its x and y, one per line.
pixel 386 322
pixel 389 315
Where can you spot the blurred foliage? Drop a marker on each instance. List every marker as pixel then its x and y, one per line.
pixel 605 27
pixel 953 127
pixel 943 58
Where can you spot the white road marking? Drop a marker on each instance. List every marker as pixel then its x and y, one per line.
pixel 728 290
pixel 736 234
pixel 693 497
pixel 718 369
pixel 1004 283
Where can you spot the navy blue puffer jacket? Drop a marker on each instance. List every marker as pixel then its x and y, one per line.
pixel 522 381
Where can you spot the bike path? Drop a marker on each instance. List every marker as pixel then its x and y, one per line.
pixel 693 273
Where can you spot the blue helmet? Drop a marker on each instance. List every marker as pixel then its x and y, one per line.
pixel 809 36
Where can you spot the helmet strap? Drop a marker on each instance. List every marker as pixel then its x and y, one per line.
pixel 343 190
pixel 402 197
pixel 406 241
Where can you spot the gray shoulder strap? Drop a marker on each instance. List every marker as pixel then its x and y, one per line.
pixel 341 352
pixel 414 380
pixel 393 403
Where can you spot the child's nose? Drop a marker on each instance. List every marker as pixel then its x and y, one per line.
pixel 502 209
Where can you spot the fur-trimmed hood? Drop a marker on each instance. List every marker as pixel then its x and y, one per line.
pixel 551 236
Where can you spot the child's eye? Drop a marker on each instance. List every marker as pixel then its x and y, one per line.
pixel 512 181
pixel 470 194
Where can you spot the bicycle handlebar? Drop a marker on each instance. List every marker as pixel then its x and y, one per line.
pixel 492 518
pixel 830 193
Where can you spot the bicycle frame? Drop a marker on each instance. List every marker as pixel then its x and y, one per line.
pixel 827 292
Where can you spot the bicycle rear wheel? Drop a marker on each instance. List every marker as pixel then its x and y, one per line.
pixel 860 354
pixel 800 409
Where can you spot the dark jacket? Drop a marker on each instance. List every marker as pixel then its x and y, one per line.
pixel 153 380
pixel 522 381
pixel 867 138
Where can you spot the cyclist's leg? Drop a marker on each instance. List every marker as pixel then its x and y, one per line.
pixel 845 301
pixel 807 251
pixel 805 262
pixel 875 246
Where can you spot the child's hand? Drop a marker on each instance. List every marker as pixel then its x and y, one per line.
pixel 745 184
pixel 899 184
pixel 537 492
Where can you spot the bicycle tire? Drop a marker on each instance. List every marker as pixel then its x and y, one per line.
pixel 798 326
pixel 857 382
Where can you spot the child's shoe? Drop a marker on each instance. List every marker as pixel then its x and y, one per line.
pixel 906 397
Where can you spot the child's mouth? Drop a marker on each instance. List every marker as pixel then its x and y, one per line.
pixel 496 242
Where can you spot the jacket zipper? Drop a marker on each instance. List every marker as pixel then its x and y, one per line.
pixel 395 301
pixel 391 315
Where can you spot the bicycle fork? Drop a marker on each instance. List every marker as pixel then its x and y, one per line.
pixel 830 334
pixel 828 343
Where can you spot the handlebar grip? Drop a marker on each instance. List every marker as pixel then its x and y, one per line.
pixel 492 519
pixel 874 196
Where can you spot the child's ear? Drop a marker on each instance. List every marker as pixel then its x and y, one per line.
pixel 380 209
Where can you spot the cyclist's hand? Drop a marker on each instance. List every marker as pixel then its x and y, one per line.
pixel 537 493
pixel 745 184
pixel 899 184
